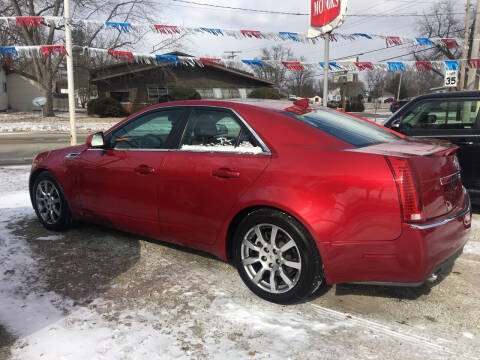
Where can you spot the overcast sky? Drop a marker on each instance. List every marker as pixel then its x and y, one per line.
pixel 207 45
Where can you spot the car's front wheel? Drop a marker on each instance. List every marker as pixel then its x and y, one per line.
pixel 276 257
pixel 49 202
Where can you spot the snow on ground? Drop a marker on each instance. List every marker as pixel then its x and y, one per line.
pixel 94 293
pixel 14 122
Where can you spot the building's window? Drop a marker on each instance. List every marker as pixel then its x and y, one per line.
pixel 155 93
pixel 121 96
pixel 206 93
pixel 4 87
pixel 230 93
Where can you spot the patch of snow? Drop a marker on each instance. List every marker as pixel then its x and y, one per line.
pixel 475 222
pixel 50 238
pixel 27 126
pixel 244 148
pixel 467 334
pixel 472 247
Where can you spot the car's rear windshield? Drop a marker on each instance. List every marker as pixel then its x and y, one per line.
pixel 356 132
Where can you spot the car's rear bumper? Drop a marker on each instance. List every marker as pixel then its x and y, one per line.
pixel 421 250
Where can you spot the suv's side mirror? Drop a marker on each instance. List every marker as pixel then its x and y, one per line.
pixel 96 140
pixel 396 124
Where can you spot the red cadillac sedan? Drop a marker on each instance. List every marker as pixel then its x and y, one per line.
pixel 295 197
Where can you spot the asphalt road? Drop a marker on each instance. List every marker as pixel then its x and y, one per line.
pixel 22 148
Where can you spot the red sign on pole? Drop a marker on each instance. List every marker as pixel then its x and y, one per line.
pixel 326 15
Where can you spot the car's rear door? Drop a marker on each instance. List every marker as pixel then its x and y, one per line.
pixel 217 160
pixel 118 185
pixel 453 119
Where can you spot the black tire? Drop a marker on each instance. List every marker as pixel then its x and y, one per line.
pixel 54 215
pixel 303 281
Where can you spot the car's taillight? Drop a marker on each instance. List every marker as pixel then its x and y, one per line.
pixel 407 189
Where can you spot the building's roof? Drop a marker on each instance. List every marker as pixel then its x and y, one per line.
pixel 136 68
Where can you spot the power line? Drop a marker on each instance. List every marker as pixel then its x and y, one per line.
pixel 303 14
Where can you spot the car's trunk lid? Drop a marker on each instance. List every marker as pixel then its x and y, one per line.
pixel 436 172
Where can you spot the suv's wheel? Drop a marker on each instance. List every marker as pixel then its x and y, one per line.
pixel 276 257
pixel 49 203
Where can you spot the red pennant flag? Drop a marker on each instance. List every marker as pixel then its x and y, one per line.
pixel 29 21
pixel 48 50
pixel 293 65
pixel 424 65
pixel 122 55
pixel 252 34
pixel 450 43
pixel 209 61
pixel 393 41
pixel 364 66
pixel 167 29
pixel 474 63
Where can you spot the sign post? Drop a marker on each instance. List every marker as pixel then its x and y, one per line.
pixel 326 15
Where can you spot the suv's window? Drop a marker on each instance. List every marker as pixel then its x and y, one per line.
pixel 349 129
pixel 216 130
pixel 442 114
pixel 149 131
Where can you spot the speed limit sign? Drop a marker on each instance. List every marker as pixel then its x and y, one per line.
pixel 451 78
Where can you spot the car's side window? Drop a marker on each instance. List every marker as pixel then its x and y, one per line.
pixel 217 130
pixel 443 114
pixel 150 131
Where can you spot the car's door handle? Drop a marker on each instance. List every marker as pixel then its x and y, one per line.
pixel 226 173
pixel 144 170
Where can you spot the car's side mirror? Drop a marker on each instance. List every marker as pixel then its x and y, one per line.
pixel 96 140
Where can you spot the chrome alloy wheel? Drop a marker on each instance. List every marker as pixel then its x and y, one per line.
pixel 271 258
pixel 48 201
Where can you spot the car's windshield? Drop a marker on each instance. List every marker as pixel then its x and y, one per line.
pixel 353 131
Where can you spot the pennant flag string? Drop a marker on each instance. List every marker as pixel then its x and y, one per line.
pixel 165 29
pixel 243 64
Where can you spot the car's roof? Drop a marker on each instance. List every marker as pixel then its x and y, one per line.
pixel 274 105
pixel 452 94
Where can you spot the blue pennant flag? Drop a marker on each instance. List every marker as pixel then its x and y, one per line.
pixel 122 27
pixel 331 65
pixel 8 51
pixel 451 65
pixel 258 63
pixel 167 59
pixel 288 36
pixel 424 41
pixel 363 35
pixel 215 32
pixel 396 66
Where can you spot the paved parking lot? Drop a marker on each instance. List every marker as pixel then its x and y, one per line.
pixel 98 293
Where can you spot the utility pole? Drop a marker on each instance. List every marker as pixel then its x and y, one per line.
pixel 325 69
pixel 71 85
pixel 472 73
pixel 461 84
pixel 233 54
pixel 399 86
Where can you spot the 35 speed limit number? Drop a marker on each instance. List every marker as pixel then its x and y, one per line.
pixel 451 78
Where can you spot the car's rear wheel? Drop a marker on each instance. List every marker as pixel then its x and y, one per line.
pixel 276 257
pixel 49 203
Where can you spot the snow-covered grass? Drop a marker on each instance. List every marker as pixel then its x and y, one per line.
pixel 33 122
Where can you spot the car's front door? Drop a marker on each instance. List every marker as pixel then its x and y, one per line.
pixel 117 185
pixel 453 119
pixel 218 159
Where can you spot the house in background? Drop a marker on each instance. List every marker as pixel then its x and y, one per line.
pixel 18 89
pixel 3 90
pixel 140 85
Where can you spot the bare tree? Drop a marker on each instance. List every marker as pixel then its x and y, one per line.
pixel 276 73
pixel 301 82
pixel 442 22
pixel 45 69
